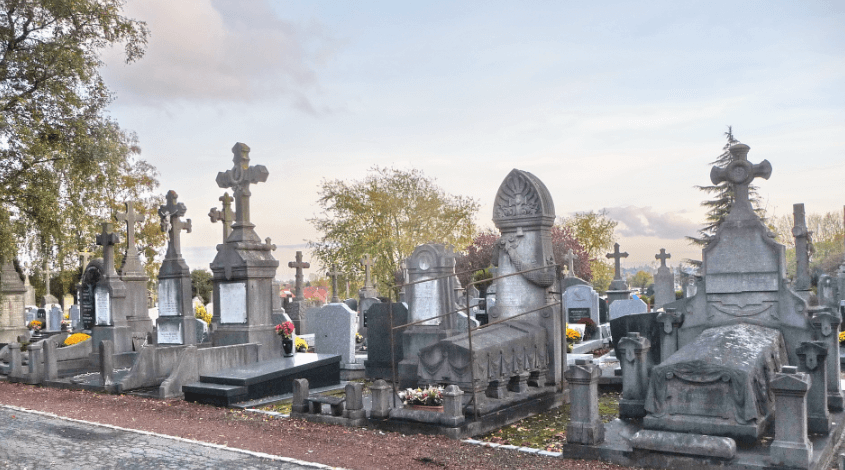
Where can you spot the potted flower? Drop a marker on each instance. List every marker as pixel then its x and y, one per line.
pixel 590 327
pixel 300 345
pixel 35 325
pixel 285 330
pixel 429 398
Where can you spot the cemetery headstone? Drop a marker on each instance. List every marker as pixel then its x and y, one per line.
pixel 664 282
pixel 334 332
pixel 618 289
pixel 110 298
pixel 244 269
pixel 524 213
pixel 134 276
pixel 803 247
pixel 54 320
pixel 580 301
pixel 92 275
pixel 176 321
pixel 296 307
pixel 12 296
pixel 632 316
pixel 74 316
pixel 377 364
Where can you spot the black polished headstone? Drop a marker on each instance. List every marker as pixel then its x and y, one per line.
pixel 378 365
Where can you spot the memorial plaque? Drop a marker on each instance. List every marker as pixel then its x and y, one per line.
pixel 576 314
pixel 169 298
pixel 170 332
pixel 86 306
pixel 102 306
pixel 233 302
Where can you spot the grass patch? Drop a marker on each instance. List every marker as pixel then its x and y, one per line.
pixel 548 430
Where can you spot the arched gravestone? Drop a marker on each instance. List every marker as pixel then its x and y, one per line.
pixel 90 277
pixel 524 213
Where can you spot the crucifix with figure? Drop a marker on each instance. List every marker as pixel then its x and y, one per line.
pixel 334 273
pixel 239 178
pixel 617 257
pixel 226 215
pixel 171 222
pixel 299 265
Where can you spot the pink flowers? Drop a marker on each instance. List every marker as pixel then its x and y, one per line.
pixel 285 330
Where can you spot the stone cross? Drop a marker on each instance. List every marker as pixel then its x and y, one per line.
pixel 617 257
pixel 239 178
pixel 108 239
pixel 740 172
pixel 47 276
pixel 130 258
pixel 226 215
pixel 803 248
pixel 171 222
pixel 299 265
pixel 334 273
pixel 663 256
pixel 570 259
pixel 367 261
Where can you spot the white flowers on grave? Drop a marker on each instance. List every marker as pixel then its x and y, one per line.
pixel 430 396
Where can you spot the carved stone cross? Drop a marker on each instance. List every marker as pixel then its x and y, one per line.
pixel 617 257
pixel 108 239
pixel 367 261
pixel 663 256
pixel 570 259
pixel 131 261
pixel 740 172
pixel 299 265
pixel 47 277
pixel 334 273
pixel 239 178
pixel 226 215
pixel 171 222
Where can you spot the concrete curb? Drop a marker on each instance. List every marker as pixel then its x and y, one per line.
pixel 174 438
pixel 526 450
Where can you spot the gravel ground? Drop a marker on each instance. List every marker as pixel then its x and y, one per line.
pixel 353 448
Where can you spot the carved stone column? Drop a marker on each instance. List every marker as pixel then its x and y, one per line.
pixel 585 427
pixel 791 448
pixel 671 320
pixel 634 361
pixel 826 321
pixel 812 355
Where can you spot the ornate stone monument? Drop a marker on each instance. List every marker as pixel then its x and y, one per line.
pixel 133 275
pixel 244 268
pixel 524 214
pixel 664 282
pixel 12 295
pixel 175 323
pixel 110 298
pixel 226 216
pixel 618 289
pixel 803 251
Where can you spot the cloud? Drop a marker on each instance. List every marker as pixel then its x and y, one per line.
pixel 220 50
pixel 643 221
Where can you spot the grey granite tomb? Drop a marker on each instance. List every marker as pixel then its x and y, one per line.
pixel 134 277
pixel 12 296
pixel 244 268
pixel 109 299
pixel 175 323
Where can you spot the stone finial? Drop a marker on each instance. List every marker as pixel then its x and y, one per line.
pixel 617 265
pixel 740 172
pixel 239 178
pixel 663 256
pixel 171 222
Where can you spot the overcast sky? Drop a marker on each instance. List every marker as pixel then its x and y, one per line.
pixel 616 105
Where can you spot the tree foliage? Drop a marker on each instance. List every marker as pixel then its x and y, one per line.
pixel 641 279
pixel 827 235
pixel 64 165
pixel 722 197
pixel 594 230
pixel 387 214
pixel 201 284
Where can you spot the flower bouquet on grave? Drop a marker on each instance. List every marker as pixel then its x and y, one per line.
pixel 285 330
pixel 300 344
pixel 430 398
pixel 35 325
pixel 841 337
pixel 590 328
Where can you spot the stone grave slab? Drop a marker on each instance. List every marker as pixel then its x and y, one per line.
pixel 335 326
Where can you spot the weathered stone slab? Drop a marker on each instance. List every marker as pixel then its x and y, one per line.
pixel 684 443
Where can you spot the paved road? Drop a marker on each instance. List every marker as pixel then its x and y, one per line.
pixel 31 440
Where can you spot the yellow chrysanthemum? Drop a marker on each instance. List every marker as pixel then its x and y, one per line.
pixel 76 338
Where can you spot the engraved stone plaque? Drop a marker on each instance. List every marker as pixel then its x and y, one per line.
pixel 102 305
pixel 168 298
pixel 233 302
pixel 170 332
pixel 576 314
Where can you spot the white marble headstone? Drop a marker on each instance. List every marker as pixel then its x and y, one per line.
pixel 168 298
pixel 102 305
pixel 233 302
pixel 170 332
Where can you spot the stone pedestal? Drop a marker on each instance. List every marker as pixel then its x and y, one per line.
pixel 381 392
pixel 414 339
pixel 634 361
pixel 825 322
pixel 812 356
pixel 585 426
pixel 791 448
pixel 670 320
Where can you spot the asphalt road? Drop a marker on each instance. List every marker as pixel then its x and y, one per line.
pixel 33 440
